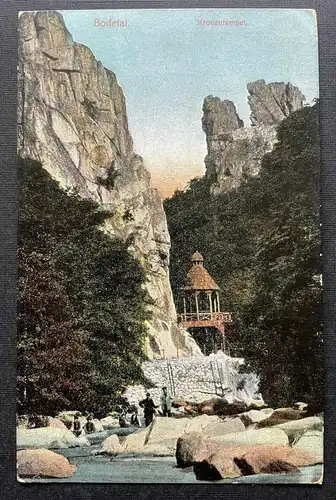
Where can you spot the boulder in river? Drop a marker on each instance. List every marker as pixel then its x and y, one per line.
pixel 264 459
pixel 252 417
pixel 216 466
pixel 133 443
pixel 67 416
pixel 45 437
pixel 296 428
pixel 312 442
pixel 268 411
pixel 109 422
pixel 221 407
pixel 280 416
pixel 83 441
pixel 56 422
pixel 227 426
pixel 110 445
pixel 187 447
pixel 191 409
pixel 163 429
pixel 243 460
pixel 43 463
pixel 165 448
pixel 253 437
pixel 198 424
pixel 97 425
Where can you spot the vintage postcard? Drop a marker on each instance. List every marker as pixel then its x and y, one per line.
pixel 169 247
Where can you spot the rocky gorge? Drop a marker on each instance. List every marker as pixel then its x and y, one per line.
pixel 72 118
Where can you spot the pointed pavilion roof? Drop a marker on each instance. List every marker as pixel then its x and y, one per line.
pixel 198 277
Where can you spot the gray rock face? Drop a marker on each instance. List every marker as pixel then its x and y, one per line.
pixel 219 116
pixel 72 118
pixel 234 151
pixel 271 103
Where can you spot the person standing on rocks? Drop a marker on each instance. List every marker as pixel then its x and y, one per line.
pixel 135 420
pixel 166 402
pixel 77 428
pixel 149 408
pixel 89 427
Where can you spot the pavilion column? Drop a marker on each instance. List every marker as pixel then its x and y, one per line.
pixel 197 309
pixel 210 301
pixel 218 304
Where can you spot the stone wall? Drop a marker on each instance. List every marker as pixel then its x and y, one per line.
pixel 198 379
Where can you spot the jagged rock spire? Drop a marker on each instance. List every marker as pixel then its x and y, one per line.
pixel 271 103
pixel 234 151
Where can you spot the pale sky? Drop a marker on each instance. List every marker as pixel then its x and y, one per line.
pixel 167 62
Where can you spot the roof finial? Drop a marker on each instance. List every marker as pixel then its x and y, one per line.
pixel 197 258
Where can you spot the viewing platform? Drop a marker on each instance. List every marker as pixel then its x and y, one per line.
pixel 205 319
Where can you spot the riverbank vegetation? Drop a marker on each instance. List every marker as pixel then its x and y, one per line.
pixel 81 302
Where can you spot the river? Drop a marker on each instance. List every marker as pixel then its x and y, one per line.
pixel 102 469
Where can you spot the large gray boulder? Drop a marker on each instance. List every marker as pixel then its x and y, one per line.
pixel 110 445
pixel 161 449
pixel 227 426
pixel 187 447
pixel 312 442
pixel 199 423
pixel 165 429
pixel 109 422
pixel 56 422
pixel 97 425
pixel 271 436
pixel 296 428
pixel 252 417
pixel 45 437
pixel 134 443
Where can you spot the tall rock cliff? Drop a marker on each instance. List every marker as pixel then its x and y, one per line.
pixel 72 117
pixel 234 151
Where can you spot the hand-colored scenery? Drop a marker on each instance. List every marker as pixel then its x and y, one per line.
pixel 169 303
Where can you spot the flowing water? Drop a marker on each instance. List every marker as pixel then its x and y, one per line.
pixel 103 469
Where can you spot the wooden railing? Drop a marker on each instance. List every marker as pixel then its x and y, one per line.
pixel 225 317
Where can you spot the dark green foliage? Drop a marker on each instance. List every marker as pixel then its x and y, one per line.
pixel 82 305
pixel 261 243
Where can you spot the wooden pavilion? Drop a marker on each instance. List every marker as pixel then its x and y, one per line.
pixel 200 300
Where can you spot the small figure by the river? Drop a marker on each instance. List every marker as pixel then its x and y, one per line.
pixel 135 420
pixel 166 402
pixel 89 427
pixel 149 408
pixel 77 427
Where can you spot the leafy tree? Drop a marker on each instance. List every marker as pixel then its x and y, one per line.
pixel 52 357
pixel 261 243
pixel 87 322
